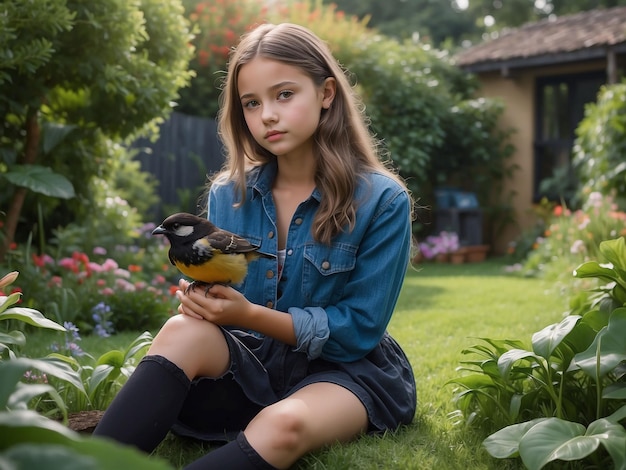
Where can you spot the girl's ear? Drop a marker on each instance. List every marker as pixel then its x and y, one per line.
pixel 328 90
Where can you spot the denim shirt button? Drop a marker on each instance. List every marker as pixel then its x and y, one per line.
pixel 289 252
pixel 298 221
pixel 270 235
pixel 325 265
pixel 269 274
pixel 269 304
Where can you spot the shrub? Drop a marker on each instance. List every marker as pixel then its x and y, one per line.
pixel 133 291
pixel 600 157
pixel 573 237
pixel 565 395
pixel 30 440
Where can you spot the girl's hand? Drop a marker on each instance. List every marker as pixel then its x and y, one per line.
pixel 221 305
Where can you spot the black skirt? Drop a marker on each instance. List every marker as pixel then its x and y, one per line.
pixel 264 371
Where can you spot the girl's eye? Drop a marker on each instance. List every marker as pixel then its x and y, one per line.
pixel 285 94
pixel 251 104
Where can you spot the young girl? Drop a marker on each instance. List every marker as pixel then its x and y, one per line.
pixel 297 356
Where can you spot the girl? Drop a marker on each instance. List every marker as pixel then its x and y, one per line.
pixel 297 356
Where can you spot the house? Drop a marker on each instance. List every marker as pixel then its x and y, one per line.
pixel 545 73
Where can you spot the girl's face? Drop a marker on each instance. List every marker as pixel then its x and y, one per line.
pixel 282 105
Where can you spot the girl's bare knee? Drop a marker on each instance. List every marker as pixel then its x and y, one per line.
pixel 287 421
pixel 198 347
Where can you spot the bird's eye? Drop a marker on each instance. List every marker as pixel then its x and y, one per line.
pixel 176 226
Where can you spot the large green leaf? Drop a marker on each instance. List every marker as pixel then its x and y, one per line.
pixel 547 340
pixel 554 439
pixel 30 316
pixel 615 252
pixel 40 179
pixel 509 358
pixel 7 300
pixel 13 337
pixel 25 430
pixel 53 134
pixel 595 269
pixel 505 443
pixel 55 457
pixel 11 373
pixel 609 347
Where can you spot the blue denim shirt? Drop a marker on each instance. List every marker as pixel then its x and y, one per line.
pixel 341 296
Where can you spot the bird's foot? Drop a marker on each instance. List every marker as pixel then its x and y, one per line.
pixel 204 285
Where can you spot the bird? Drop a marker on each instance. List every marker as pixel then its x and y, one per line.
pixel 206 253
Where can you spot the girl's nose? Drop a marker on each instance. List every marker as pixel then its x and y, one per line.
pixel 269 114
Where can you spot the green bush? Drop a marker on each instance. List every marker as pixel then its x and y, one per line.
pixel 572 237
pixel 565 396
pixel 600 156
pixel 128 277
pixel 28 438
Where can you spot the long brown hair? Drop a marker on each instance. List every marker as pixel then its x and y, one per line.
pixel 344 147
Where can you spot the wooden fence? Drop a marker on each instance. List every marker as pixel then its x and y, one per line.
pixel 186 153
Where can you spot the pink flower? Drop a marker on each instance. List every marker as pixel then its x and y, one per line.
pixel 109 265
pixel 122 273
pixel 107 291
pixel 95 267
pixel 98 250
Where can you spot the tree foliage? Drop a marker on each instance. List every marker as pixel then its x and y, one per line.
pixel 98 70
pixel 443 21
pixel 600 157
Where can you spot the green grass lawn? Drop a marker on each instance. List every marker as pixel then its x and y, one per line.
pixel 443 308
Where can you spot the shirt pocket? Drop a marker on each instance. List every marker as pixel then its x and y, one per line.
pixel 326 270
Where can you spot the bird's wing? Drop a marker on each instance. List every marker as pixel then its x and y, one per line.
pixel 228 242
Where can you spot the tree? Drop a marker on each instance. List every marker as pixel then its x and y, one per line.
pixel 90 69
pixel 434 20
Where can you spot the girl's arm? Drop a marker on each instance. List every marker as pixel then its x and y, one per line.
pixel 353 326
pixel 226 306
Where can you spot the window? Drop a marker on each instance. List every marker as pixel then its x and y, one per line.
pixel 560 105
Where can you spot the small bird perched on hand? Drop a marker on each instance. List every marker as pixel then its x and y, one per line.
pixel 204 252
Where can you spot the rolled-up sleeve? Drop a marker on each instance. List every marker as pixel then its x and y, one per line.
pixel 311 328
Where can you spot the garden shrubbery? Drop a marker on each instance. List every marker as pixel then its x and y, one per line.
pixel 114 287
pixel 563 395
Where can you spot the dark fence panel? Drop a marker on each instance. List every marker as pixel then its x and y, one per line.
pixel 186 153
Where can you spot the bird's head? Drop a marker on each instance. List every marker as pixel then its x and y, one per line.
pixel 182 225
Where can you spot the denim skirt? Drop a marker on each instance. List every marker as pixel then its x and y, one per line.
pixel 264 371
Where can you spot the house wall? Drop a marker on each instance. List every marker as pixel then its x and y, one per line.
pixel 517 91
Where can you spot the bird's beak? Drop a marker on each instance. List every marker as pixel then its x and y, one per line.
pixel 160 230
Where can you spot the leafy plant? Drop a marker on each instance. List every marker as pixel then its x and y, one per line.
pixel 567 393
pixel 72 283
pixel 599 156
pixel 30 440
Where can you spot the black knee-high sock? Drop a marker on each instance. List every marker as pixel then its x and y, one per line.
pixel 147 406
pixel 236 455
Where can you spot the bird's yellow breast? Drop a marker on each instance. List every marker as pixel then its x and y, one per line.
pixel 220 268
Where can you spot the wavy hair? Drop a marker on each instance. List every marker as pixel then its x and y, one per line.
pixel 344 147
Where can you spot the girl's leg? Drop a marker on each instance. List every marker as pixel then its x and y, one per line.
pixel 316 415
pixel 149 403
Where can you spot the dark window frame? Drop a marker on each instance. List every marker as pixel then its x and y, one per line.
pixel 543 146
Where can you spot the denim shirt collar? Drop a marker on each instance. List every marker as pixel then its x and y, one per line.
pixel 261 179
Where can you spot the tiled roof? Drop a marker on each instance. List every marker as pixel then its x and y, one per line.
pixel 572 37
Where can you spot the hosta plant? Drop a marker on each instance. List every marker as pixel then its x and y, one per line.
pixel 30 440
pixel 564 397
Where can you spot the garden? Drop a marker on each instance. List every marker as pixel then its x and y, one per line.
pixel 519 359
